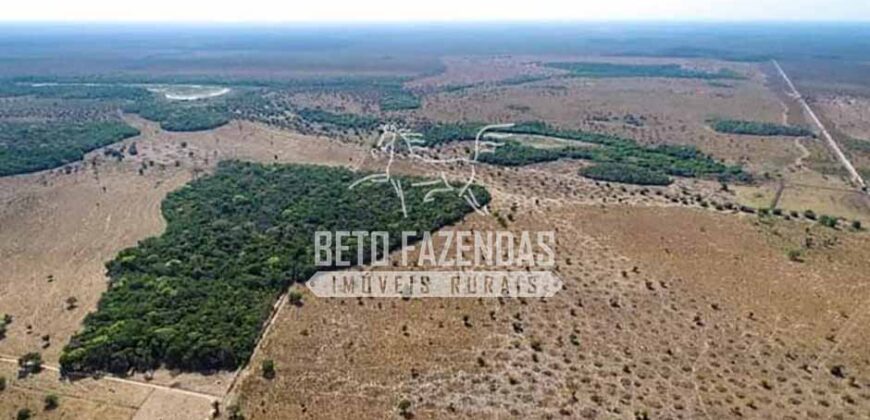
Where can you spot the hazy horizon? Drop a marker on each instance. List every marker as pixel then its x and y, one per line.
pixel 384 11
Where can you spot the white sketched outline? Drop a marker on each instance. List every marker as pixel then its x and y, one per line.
pixel 392 137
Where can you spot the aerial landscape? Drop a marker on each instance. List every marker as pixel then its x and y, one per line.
pixel 700 188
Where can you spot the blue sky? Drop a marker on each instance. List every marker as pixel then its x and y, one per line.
pixel 436 10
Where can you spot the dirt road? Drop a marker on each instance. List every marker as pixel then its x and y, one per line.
pixel 853 174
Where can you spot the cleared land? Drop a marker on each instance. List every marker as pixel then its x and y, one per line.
pixel 639 328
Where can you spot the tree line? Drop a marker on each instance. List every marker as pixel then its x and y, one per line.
pixel 195 298
pixel 757 128
pixel 31 147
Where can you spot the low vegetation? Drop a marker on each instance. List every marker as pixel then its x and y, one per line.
pixel 24 414
pixel 757 128
pixel 31 147
pixel 268 369
pixel 51 402
pixel 195 298
pixel 4 324
pixel 625 173
pixel 600 70
pixel 30 363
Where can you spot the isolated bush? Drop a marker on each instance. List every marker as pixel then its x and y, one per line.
pixel 268 368
pixel 856 224
pixel 51 402
pixel 234 412
pixel 24 414
pixel 30 363
pixel 294 297
pixel 2 383
pixel 404 407
pixel 809 214
pixel 828 221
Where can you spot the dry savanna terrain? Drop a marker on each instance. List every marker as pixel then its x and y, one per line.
pixel 677 302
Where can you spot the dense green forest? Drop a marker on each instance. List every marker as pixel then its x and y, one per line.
pixel 682 161
pixel 73 91
pixel 398 99
pixel 435 134
pixel 513 153
pixel 625 173
pixel 30 147
pixel 757 128
pixel 196 297
pixel 175 116
pixel 347 121
pixel 583 69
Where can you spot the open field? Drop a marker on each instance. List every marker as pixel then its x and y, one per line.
pixel 643 325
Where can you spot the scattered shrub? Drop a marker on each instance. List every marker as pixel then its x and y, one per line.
pixel 30 363
pixel 828 221
pixel 294 297
pixel 51 402
pixel 404 407
pixel 268 368
pixel 24 414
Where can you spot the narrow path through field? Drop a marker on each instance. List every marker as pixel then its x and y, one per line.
pixel 805 153
pixel 178 391
pixel 855 176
